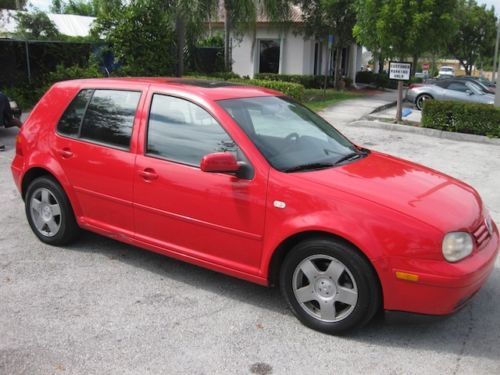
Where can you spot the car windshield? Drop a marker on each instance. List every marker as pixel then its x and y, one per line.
pixel 290 136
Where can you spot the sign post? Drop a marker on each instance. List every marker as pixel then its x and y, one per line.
pixel 399 71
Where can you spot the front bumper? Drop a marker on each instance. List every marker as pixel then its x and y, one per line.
pixel 442 287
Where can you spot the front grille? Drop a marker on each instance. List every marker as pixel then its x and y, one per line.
pixel 481 234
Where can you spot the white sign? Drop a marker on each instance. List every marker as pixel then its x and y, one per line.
pixel 400 71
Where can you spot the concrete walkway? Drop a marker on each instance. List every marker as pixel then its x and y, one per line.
pixel 354 109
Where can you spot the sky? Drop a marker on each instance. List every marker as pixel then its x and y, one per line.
pixel 45 4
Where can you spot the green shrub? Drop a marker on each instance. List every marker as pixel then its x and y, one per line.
pixel 308 81
pixel 26 94
pixel 293 90
pixel 365 77
pixel 471 118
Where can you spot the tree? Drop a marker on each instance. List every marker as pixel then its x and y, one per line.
pixel 13 4
pixel 142 35
pixel 400 28
pixel 36 25
pixel 476 34
pixel 90 8
pixel 331 17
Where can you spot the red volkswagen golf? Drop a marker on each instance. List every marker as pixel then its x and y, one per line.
pixel 248 182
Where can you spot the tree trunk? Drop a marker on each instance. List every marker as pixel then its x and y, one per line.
pixel 414 65
pixel 227 39
pixel 180 29
pixel 338 64
pixel 381 64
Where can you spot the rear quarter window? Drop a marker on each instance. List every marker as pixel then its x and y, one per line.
pixel 72 118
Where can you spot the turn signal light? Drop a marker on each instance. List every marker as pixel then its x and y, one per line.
pixel 406 276
pixel 19 146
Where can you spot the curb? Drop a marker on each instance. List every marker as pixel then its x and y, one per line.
pixel 384 107
pixel 425 131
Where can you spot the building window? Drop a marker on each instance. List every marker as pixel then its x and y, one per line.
pixel 269 61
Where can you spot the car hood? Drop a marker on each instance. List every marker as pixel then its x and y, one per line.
pixel 425 194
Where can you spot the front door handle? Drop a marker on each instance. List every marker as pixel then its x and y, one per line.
pixel 148 174
pixel 66 153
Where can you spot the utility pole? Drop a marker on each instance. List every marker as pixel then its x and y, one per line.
pixel 497 92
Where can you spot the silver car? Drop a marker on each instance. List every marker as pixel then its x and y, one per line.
pixel 450 89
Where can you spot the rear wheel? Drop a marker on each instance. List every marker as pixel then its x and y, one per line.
pixel 49 212
pixel 329 286
pixel 421 99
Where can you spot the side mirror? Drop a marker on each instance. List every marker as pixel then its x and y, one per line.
pixel 469 92
pixel 219 162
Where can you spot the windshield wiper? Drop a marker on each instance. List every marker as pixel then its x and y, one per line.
pixel 310 166
pixel 350 156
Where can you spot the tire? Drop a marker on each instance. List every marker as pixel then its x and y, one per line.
pixel 419 102
pixel 342 278
pixel 49 212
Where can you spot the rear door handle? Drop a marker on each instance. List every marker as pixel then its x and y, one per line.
pixel 148 174
pixel 66 153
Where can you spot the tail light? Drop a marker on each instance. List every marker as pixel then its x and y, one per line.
pixel 19 146
pixel 414 85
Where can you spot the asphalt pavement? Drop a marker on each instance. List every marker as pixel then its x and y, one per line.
pixel 103 307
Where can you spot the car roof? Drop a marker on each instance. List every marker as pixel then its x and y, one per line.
pixel 213 90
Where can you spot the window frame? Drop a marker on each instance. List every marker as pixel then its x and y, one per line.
pixel 163 158
pixel 92 141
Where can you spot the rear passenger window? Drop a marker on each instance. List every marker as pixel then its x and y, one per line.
pixel 110 117
pixel 184 132
pixel 70 122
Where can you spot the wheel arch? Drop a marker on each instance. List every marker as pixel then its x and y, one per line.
pixel 286 246
pixel 38 171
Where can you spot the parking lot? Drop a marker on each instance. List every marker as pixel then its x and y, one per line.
pixel 103 307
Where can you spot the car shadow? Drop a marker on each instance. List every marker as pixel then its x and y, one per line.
pixel 470 330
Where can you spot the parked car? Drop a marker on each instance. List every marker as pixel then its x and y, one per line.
pixel 487 86
pixel 448 89
pixel 446 71
pixel 245 181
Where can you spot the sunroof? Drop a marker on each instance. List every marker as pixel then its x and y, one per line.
pixel 204 83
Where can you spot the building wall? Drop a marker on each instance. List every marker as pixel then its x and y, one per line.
pixel 296 52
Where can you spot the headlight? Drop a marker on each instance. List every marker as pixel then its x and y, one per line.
pixel 456 246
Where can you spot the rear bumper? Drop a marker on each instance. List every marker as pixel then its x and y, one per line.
pixel 16 170
pixel 442 287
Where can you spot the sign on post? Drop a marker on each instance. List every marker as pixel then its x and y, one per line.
pixel 399 71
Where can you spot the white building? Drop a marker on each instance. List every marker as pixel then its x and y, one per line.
pixel 272 48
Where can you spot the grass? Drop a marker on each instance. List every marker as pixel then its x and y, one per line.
pixel 317 99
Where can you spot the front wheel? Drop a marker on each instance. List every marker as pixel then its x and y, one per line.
pixel 49 212
pixel 329 286
pixel 421 99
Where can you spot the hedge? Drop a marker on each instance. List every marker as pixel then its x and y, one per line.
pixel 308 81
pixel 471 118
pixel 293 90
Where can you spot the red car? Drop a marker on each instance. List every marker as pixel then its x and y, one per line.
pixel 246 181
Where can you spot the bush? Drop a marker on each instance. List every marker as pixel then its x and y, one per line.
pixel 308 81
pixel 471 118
pixel 26 95
pixel 293 90
pixel 365 77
